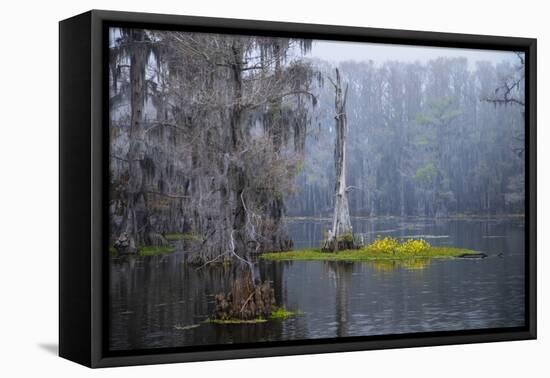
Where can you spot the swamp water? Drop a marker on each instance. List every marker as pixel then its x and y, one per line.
pixel 159 301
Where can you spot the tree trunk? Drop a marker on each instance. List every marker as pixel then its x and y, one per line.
pixel 135 214
pixel 237 176
pixel 246 300
pixel 340 236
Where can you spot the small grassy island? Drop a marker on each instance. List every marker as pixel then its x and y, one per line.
pixel 279 313
pixel 144 250
pixel 155 250
pixel 387 248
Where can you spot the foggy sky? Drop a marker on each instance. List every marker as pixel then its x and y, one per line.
pixel 337 52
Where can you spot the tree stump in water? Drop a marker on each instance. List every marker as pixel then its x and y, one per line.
pixel 245 301
pixel 342 242
pixel 335 245
pixel 123 245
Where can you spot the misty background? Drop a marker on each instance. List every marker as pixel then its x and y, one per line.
pixel 426 136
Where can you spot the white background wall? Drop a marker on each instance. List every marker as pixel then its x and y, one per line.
pixel 29 189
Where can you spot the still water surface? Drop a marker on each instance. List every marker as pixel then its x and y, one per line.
pixel 161 302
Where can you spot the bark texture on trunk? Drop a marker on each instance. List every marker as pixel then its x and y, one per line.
pixel 246 300
pixel 341 234
pixel 135 215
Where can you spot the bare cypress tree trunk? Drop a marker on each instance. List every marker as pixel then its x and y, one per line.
pixel 341 234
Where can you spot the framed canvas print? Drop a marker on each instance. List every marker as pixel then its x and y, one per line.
pixel 234 188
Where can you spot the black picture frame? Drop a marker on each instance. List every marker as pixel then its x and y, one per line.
pixel 83 167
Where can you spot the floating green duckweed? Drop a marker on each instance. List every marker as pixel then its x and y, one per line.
pixel 181 236
pixel 281 314
pixel 235 321
pixel 153 251
pixel 179 327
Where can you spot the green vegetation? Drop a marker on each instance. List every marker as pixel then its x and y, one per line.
pixel 426 175
pixel 235 321
pixel 392 246
pixel 181 236
pixel 348 237
pixel 280 313
pixel 185 328
pixel 387 248
pixel 147 250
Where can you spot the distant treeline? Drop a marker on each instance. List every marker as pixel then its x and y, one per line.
pixel 435 139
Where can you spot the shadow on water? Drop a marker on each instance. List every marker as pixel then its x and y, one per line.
pixel 160 301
